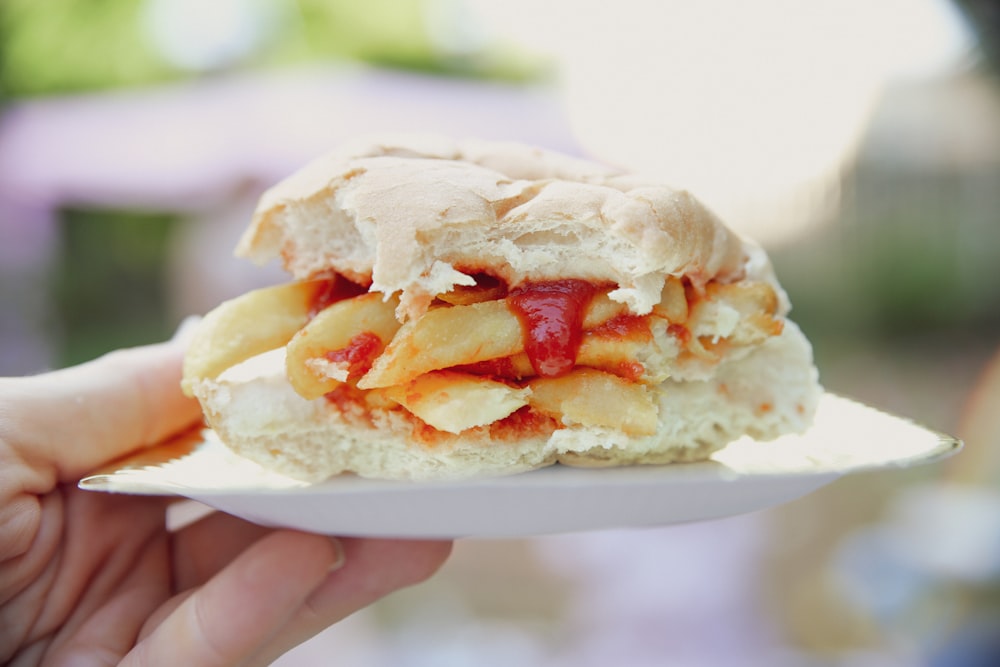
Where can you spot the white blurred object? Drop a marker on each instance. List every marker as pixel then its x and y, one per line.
pixel 907 571
pixel 942 531
pixel 455 28
pixel 688 596
pixel 756 107
pixel 204 36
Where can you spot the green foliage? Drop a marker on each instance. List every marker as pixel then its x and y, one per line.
pixel 110 287
pixel 60 46
pixel 65 46
pixel 375 31
pixel 915 254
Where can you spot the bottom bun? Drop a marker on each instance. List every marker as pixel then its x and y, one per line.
pixel 771 391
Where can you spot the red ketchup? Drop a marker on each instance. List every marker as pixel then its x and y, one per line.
pixel 552 316
pixel 681 332
pixel 359 353
pixel 498 368
pixel 624 326
pixel 329 292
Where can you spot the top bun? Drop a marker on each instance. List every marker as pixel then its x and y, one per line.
pixel 418 216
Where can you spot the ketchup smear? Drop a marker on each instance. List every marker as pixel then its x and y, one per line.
pixel 502 367
pixel 329 292
pixel 359 353
pixel 552 316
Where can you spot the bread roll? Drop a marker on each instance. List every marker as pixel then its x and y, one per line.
pixel 669 331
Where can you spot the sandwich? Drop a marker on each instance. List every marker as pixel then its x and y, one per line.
pixel 477 308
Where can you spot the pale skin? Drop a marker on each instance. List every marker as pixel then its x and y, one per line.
pixel 97 579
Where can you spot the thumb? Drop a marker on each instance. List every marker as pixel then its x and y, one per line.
pixel 78 418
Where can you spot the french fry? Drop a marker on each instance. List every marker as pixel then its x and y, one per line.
pixel 358 327
pixel 756 329
pixel 454 402
pixel 602 309
pixel 747 297
pixel 756 303
pixel 248 325
pixel 446 337
pixel 594 398
pixel 673 305
pixel 613 355
pixel 706 349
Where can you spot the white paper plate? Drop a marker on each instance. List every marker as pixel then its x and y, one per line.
pixel 746 476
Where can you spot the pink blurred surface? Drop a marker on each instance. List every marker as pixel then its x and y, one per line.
pixel 177 146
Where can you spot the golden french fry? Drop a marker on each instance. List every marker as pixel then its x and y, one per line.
pixel 756 304
pixel 747 297
pixel 594 398
pixel 454 402
pixel 339 343
pixel 446 337
pixel 602 309
pixel 756 329
pixel 614 355
pixel 673 305
pixel 253 323
pixel 706 349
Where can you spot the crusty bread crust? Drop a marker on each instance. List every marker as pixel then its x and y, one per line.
pixel 417 215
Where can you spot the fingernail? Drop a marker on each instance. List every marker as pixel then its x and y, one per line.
pixel 185 330
pixel 338 561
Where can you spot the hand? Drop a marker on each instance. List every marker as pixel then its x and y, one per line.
pixel 97 579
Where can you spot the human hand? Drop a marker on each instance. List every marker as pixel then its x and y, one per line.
pixel 97 579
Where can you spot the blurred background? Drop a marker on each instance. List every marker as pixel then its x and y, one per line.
pixel 858 141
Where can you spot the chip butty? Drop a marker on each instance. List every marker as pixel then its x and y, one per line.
pixel 459 309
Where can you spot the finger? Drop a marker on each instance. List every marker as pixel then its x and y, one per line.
pixel 372 569
pixel 228 619
pixel 202 549
pixel 80 417
pixel 157 616
pixel 108 629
